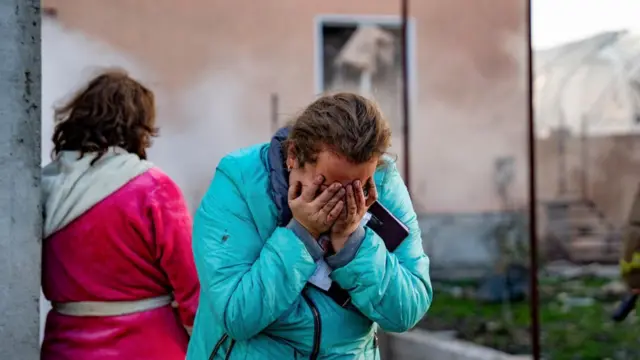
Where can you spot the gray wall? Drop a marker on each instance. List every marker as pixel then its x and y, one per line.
pixel 20 211
pixel 464 245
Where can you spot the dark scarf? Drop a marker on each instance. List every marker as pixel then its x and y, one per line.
pixel 279 176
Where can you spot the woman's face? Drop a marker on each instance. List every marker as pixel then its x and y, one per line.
pixel 334 168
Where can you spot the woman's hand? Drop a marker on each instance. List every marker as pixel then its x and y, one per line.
pixel 316 214
pixel 352 214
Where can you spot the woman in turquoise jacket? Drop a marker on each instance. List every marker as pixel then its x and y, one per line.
pixel 287 269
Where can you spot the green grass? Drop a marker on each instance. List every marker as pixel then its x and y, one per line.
pixel 581 332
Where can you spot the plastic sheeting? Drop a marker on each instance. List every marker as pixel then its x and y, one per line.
pixel 592 85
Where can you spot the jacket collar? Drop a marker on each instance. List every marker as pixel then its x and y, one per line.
pixel 279 176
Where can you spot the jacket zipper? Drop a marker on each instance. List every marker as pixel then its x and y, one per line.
pixel 317 327
pixel 217 347
pixel 228 356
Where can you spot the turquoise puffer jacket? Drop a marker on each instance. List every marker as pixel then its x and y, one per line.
pixel 254 300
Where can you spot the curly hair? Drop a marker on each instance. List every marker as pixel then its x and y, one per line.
pixel 112 110
pixel 346 123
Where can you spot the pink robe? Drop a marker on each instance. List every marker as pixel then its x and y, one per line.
pixel 134 244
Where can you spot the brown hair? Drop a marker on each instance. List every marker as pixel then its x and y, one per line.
pixel 346 123
pixel 112 110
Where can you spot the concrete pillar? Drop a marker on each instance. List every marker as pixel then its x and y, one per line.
pixel 20 210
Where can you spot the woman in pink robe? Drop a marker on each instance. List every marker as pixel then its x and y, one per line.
pixel 117 234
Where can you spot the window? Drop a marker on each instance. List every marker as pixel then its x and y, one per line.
pixel 363 57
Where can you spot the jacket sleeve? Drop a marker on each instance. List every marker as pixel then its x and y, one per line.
pixel 248 281
pixel 630 260
pixel 172 231
pixel 392 289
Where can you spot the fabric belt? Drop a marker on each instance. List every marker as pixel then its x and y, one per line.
pixel 110 308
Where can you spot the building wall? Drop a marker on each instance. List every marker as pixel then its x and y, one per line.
pixel 214 65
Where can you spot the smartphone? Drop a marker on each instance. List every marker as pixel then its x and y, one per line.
pixel 388 227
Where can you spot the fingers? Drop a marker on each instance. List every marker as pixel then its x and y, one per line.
pixel 352 206
pixel 294 189
pixel 333 201
pixel 359 196
pixel 327 195
pixel 335 213
pixel 309 192
pixel 373 193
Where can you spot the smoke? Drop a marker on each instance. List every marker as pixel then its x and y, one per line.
pixel 208 124
pixel 198 124
pixel 69 60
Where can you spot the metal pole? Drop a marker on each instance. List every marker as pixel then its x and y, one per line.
pixel 405 94
pixel 534 298
pixel 274 112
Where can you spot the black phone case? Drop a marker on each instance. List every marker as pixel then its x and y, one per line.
pixel 625 307
pixel 388 227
